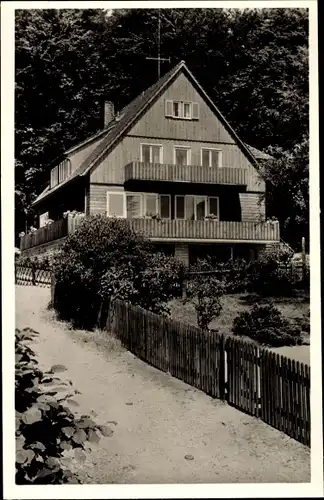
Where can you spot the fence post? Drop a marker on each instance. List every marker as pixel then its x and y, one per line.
pixel 33 268
pixel 53 286
pixel 222 367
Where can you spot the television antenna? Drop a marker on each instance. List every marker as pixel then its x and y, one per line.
pixel 159 59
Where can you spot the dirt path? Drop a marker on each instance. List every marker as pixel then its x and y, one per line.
pixel 159 419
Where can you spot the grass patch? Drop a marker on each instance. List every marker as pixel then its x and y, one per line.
pixel 293 308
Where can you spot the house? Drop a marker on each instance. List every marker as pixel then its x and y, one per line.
pixel 171 164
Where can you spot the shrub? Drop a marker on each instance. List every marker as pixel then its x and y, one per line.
pixel 105 259
pixel 49 436
pixel 204 292
pixel 234 273
pixel 272 274
pixel 266 325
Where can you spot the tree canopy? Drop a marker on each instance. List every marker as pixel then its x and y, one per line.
pixel 252 62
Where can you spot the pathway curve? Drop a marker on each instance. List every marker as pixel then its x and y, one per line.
pixel 159 419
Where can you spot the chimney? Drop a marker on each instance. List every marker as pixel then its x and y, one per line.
pixel 109 113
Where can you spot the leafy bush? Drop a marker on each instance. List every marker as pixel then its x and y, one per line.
pixel 204 292
pixel 272 274
pixel 39 262
pixel 49 437
pixel 105 259
pixel 267 325
pixel 234 274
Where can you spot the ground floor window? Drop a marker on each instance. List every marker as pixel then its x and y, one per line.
pixel 116 204
pixel 186 207
pixel 196 207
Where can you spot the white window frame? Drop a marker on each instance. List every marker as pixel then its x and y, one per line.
pixel 220 156
pixel 122 193
pixel 195 205
pixel 181 109
pixel 190 110
pixel 187 148
pixel 131 193
pixel 151 154
pixel 159 212
pixel 156 201
pixel 208 208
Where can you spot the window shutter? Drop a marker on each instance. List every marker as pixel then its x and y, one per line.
pixel 195 111
pixel 168 108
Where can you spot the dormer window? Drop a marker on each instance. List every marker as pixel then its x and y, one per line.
pixel 60 173
pixel 183 110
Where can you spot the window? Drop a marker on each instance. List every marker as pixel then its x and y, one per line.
pixel 176 109
pixel 151 153
pixel 190 207
pixel 43 218
pixel 179 207
pixel 151 204
pixel 187 109
pixel 211 157
pixel 133 205
pixel 200 207
pixel 54 177
pixel 213 206
pixel 182 155
pixel 182 109
pixel 116 204
pixel 165 206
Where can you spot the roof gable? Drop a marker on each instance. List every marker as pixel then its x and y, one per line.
pixel 133 111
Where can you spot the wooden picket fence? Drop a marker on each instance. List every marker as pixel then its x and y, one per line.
pixel 253 379
pixel 32 275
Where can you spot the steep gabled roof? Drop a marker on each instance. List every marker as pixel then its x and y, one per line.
pixel 128 116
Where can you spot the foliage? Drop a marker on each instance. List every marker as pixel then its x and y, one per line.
pixel 252 62
pixel 151 287
pixel 204 292
pixel 49 436
pixel 287 196
pixel 272 274
pixel 267 325
pixel 38 262
pixel 234 274
pixel 105 259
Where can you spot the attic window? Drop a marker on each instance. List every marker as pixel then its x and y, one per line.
pixel 61 172
pixel 185 110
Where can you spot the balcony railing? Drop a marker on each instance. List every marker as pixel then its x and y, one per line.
pixel 206 230
pixel 164 229
pixel 185 173
pixel 54 231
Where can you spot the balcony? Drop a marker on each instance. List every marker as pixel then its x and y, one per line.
pixel 208 231
pixel 54 231
pixel 58 229
pixel 185 173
